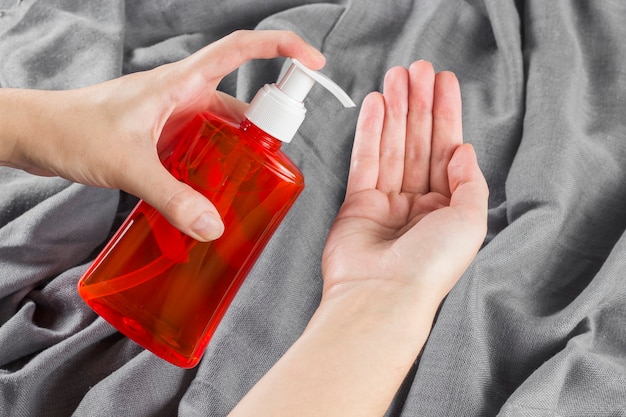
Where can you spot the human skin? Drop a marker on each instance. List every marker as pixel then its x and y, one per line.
pixel 110 134
pixel 414 216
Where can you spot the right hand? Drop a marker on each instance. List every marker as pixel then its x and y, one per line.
pixel 107 134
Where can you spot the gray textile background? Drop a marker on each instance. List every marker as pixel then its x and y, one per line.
pixel 536 327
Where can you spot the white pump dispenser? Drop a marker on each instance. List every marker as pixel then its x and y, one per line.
pixel 278 109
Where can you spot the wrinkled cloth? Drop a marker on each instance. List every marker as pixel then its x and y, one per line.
pixel 535 327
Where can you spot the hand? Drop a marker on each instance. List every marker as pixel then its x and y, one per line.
pixel 414 217
pixel 107 134
pixel 415 211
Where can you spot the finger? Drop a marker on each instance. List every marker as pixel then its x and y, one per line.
pixel 365 150
pixel 185 208
pixel 447 129
pixel 230 52
pixel 416 177
pixel 393 138
pixel 468 186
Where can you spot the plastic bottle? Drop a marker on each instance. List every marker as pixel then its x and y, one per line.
pixel 167 291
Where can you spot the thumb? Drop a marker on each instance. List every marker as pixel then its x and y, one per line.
pixel 182 206
pixel 468 185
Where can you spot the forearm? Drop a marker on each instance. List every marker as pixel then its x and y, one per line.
pixel 350 360
pixel 20 124
pixel 10 124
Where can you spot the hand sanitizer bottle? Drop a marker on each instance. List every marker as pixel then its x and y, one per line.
pixel 167 291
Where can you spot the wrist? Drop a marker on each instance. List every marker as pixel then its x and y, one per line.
pixel 400 314
pixel 395 297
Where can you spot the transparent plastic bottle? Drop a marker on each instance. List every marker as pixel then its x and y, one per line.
pixel 167 291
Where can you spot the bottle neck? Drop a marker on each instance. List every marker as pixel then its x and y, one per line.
pixel 262 137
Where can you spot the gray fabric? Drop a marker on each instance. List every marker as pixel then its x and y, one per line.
pixel 534 328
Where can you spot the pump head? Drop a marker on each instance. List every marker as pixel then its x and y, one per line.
pixel 278 109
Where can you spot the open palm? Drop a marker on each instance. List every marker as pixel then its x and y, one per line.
pixel 416 201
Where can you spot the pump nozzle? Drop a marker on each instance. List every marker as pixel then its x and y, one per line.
pixel 297 80
pixel 278 109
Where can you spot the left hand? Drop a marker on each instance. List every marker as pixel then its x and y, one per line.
pixel 413 218
pixel 415 211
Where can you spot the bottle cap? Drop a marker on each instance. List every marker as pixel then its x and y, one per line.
pixel 278 109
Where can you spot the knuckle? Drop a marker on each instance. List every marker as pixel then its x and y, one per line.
pixel 179 206
pixel 238 35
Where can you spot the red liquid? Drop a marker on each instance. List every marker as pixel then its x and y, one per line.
pixel 165 290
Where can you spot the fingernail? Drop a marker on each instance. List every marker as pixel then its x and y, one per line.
pixel 208 227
